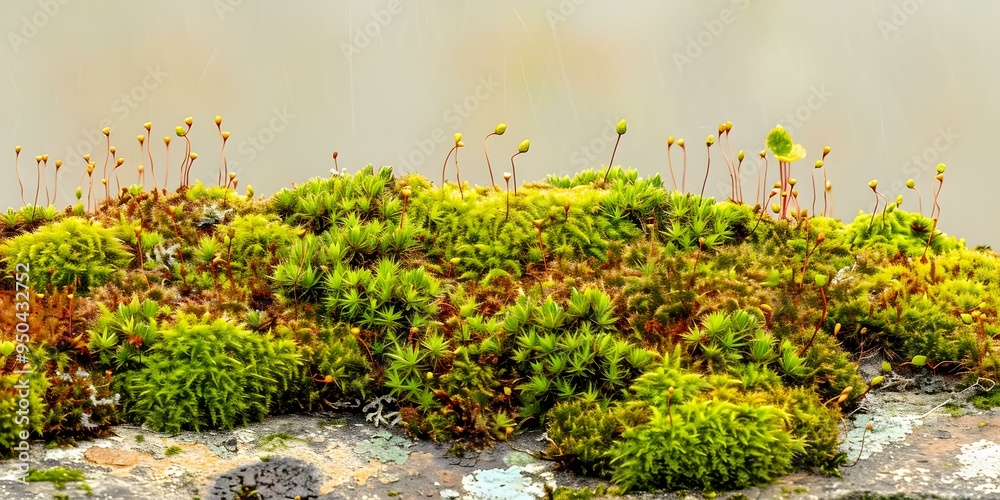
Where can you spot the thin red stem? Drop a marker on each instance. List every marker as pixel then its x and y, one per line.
pixel 514 171
pixel 685 170
pixel 822 294
pixel 45 164
pixel 166 176
pixel 707 168
pixel 17 154
pixel 458 176
pixel 38 184
pixel 149 153
pixel 104 170
pixel 445 166
pixel 738 190
pixel 493 184
pixel 670 165
pixel 613 151
pixel 813 175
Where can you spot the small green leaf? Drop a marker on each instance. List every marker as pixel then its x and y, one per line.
pixel 967 318
pixel 779 141
pixel 795 154
pixel 919 360
pixel 821 280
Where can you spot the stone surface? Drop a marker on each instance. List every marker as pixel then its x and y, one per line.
pixel 111 456
pixel 275 478
pixel 916 449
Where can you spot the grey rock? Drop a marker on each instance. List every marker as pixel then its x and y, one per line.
pixel 277 478
pixel 224 446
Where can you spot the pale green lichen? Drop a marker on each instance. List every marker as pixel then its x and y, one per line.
pixel 385 447
pixel 499 484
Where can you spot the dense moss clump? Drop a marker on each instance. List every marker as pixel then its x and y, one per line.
pixel 687 448
pixel 71 253
pixel 16 426
pixel 211 374
pixel 334 368
pixel 678 430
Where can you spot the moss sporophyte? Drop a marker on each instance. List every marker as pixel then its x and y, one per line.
pixel 631 319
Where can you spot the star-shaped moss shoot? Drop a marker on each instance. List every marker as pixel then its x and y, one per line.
pixel 779 141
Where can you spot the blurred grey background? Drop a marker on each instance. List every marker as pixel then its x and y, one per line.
pixel 893 86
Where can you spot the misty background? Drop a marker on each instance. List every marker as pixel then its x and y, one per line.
pixel 892 86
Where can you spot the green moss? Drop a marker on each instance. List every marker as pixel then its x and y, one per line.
pixel 749 447
pixel 71 253
pixel 567 350
pixel 121 337
pixel 584 493
pixel 332 422
pixel 276 441
pixel 987 400
pixel 900 233
pixel 18 426
pixel 953 409
pixel 577 224
pixel 582 433
pixel 172 450
pixel 79 404
pixel 214 375
pixel 624 317
pixel 56 475
pixel 816 425
pixel 325 352
pixel 258 239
